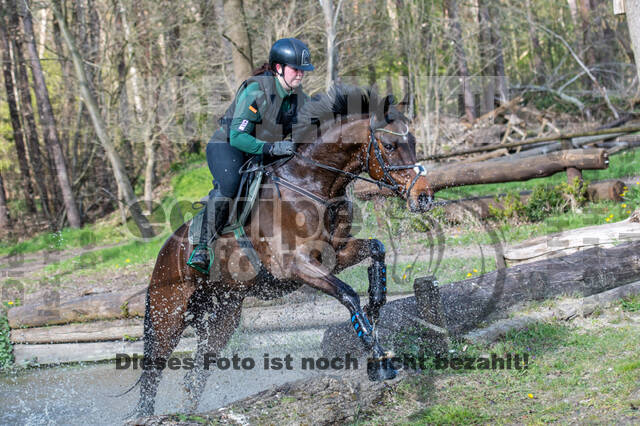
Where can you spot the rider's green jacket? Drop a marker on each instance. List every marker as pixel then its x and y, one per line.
pixel 263 111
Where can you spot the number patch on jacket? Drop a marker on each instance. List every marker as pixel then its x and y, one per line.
pixel 243 125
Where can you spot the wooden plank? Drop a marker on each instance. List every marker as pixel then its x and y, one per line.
pixel 288 317
pixel 96 331
pixel 52 354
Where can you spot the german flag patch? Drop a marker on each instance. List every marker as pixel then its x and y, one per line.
pixel 253 109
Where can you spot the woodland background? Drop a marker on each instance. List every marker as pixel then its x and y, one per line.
pixel 102 98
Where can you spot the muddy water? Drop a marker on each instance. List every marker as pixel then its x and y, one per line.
pixel 84 394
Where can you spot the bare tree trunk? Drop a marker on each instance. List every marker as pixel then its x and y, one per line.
pixel 14 115
pixel 496 40
pixel 133 71
pixel 461 58
pixel 28 119
pixel 330 21
pixel 487 56
pixel 47 120
pixel 587 48
pixel 43 31
pixel 536 51
pixel 5 220
pixel 632 8
pixel 122 181
pixel 236 32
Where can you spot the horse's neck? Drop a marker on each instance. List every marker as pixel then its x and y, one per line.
pixel 338 147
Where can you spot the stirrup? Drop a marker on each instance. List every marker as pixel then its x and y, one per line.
pixel 196 267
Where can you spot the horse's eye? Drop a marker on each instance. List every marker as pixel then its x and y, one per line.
pixel 389 146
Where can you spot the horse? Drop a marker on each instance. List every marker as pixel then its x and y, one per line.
pixel 339 136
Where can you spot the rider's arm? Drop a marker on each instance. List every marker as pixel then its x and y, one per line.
pixel 245 118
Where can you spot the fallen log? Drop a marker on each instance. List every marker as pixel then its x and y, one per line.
pixel 517 170
pixel 466 304
pixel 507 171
pixel 568 242
pixel 86 308
pixel 565 310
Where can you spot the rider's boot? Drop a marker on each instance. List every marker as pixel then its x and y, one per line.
pixel 216 216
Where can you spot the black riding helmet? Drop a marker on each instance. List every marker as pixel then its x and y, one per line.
pixel 292 52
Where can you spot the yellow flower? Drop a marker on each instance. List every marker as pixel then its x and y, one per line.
pixel 475 270
pixel 624 205
pixel 117 265
pixel 404 277
pixel 530 395
pixel 625 188
pixel 607 219
pixel 628 211
pixel 10 302
pixel 128 260
pixel 469 274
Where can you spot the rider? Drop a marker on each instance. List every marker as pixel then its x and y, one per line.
pixel 258 122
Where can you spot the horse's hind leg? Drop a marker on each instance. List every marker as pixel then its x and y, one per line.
pixel 215 324
pixel 163 326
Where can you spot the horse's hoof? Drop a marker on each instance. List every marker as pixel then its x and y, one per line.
pixel 380 369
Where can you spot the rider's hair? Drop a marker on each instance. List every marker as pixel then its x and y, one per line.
pixel 263 69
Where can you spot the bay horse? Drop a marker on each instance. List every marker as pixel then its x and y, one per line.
pixel 339 135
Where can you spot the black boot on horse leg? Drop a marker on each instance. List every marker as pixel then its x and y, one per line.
pixel 377 280
pixel 216 216
pixel 379 367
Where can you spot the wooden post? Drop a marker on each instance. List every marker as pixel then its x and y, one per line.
pixel 428 300
pixel 572 174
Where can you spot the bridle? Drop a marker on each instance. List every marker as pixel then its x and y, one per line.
pixel 374 145
pixel 388 181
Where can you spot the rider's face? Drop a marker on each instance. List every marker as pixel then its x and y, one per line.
pixel 292 76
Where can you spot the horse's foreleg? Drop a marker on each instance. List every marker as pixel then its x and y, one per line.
pixel 356 250
pixel 214 327
pixel 317 276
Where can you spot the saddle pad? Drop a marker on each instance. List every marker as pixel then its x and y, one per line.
pixel 195 226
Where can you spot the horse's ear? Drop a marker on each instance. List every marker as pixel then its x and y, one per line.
pixel 403 105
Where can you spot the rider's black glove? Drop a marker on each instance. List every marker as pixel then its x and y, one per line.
pixel 279 149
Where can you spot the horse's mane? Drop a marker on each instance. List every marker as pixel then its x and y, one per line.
pixel 343 101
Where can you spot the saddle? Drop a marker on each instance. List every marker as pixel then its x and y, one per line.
pixel 240 211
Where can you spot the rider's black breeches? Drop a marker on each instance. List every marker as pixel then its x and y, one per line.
pixel 224 162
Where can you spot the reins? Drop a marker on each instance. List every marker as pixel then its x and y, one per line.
pixel 387 182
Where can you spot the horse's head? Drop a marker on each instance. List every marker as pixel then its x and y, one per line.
pixel 390 157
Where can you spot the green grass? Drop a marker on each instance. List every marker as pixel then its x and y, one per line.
pixel 401 275
pixel 67 238
pixel 6 356
pixel 573 376
pixel 120 257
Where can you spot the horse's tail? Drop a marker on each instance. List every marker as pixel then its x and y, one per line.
pixel 148 336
